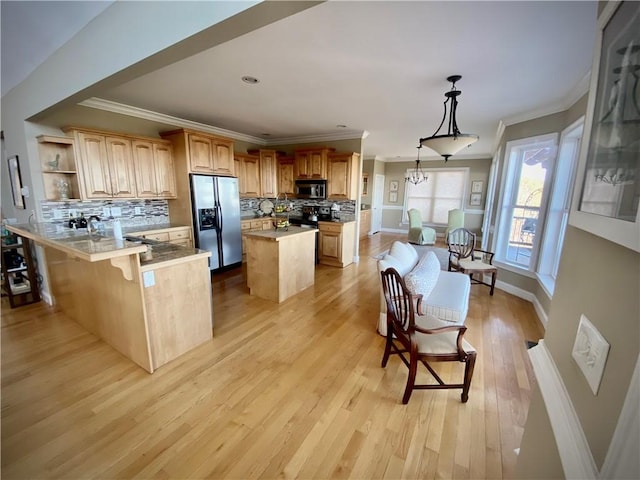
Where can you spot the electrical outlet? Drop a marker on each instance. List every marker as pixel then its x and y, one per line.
pixel 116 211
pixel 57 213
pixel 106 212
pixel 137 210
pixel 590 351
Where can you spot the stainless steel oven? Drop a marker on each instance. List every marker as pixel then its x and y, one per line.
pixel 316 189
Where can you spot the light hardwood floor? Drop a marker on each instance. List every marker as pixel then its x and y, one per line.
pixel 290 390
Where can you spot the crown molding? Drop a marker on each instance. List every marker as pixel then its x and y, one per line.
pixel 323 137
pixel 122 109
pixel 581 88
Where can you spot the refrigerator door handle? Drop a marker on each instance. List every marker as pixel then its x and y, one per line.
pixel 219 217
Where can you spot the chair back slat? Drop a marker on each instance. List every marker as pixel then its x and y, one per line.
pixel 461 242
pixel 399 300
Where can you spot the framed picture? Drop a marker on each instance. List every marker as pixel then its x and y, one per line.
pixel 605 197
pixel 393 197
pixel 475 200
pixel 476 186
pixel 393 186
pixel 16 181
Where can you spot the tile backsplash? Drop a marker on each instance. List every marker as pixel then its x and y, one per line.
pixel 150 212
pixel 250 206
pixel 130 212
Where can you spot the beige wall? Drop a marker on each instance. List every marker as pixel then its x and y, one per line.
pixel 392 213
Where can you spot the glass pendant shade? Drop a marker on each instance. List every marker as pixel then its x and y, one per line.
pixel 454 140
pixel 447 145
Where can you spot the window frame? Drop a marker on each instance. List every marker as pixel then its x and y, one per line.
pixel 508 189
pixel 553 238
pixel 428 171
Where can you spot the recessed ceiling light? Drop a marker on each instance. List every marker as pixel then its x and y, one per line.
pixel 265 134
pixel 250 80
pixel 341 126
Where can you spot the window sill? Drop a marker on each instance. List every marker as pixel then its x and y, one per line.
pixel 548 284
pixel 515 269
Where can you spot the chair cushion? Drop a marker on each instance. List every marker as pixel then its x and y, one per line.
pixel 469 264
pixel 424 276
pixel 444 342
pixel 449 299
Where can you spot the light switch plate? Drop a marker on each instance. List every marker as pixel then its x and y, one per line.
pixel 106 212
pixel 590 351
pixel 116 211
pixel 137 210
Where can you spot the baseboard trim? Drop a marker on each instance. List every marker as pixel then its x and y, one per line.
pixel 529 297
pixel 575 454
pixel 47 298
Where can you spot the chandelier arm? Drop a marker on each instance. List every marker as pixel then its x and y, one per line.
pixel 444 117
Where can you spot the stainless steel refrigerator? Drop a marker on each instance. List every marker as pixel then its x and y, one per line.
pixel 216 213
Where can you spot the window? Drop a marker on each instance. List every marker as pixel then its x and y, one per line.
pixel 529 163
pixel 443 191
pixel 559 204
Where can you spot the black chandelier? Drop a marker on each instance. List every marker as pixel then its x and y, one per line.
pixel 416 175
pixel 454 140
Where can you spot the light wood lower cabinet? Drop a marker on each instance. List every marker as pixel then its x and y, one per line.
pixel 176 235
pixel 253 225
pixel 336 243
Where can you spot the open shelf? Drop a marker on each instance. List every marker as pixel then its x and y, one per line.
pixel 58 165
pixel 19 276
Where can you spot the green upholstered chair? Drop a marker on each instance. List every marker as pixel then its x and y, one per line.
pixel 456 220
pixel 417 233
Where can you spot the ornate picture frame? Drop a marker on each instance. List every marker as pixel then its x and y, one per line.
pixel 475 200
pixel 606 193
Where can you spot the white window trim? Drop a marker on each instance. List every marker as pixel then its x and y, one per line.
pixel 467 170
pixel 531 269
pixel 546 264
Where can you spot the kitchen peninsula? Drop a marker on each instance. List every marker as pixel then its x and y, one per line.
pixel 151 311
pixel 280 263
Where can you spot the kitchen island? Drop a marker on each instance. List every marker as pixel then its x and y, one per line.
pixel 280 263
pixel 151 311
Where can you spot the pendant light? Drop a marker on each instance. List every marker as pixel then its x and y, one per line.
pixel 416 175
pixel 453 141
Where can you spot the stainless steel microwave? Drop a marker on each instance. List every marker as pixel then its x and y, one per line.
pixel 311 189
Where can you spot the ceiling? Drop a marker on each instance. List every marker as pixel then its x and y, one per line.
pixel 376 67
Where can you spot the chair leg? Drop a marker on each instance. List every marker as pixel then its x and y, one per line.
pixel 468 373
pixel 493 282
pixel 387 348
pixel 411 380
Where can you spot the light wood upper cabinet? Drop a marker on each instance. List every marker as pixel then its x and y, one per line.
pixel 248 175
pixel 223 158
pixel 269 173
pixel 121 170
pixel 112 165
pixel 155 175
pixel 311 163
pixel 210 154
pixel 106 166
pixel 201 154
pixel 342 176
pixel 94 166
pixel 286 176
